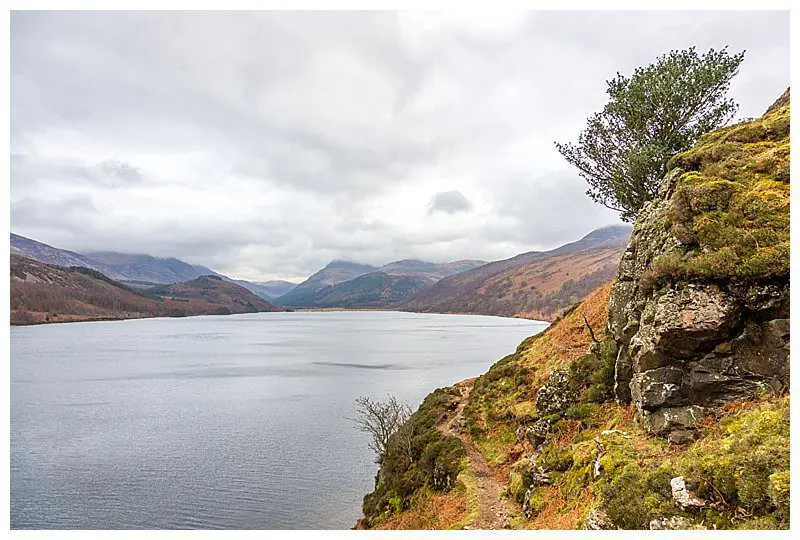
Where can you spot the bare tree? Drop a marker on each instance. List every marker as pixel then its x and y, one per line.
pixel 380 419
pixel 405 439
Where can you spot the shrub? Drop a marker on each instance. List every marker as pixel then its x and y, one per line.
pixel 581 411
pixel 624 498
pixel 417 457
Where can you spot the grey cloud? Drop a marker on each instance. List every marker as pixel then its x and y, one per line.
pixel 266 144
pixel 449 202
pixel 38 213
pixel 116 171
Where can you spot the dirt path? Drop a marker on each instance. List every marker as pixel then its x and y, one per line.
pixel 494 512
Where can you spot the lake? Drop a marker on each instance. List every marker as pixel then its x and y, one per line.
pixel 221 422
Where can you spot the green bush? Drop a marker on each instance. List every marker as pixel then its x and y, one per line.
pixel 595 372
pixel 581 411
pixel 519 479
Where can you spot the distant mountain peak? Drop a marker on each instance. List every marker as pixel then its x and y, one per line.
pixel 343 263
pixel 610 232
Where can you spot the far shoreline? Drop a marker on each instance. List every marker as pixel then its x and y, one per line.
pixel 88 318
pixel 388 310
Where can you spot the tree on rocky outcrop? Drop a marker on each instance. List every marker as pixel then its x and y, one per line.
pixel 658 112
pixel 380 420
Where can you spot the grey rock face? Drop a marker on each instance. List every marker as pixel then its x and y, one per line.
pixel 687 347
pixel 537 433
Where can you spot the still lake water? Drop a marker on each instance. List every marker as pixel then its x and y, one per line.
pixel 221 422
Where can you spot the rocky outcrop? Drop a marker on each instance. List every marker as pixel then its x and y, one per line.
pixel 687 346
pixel 556 395
pixel 690 340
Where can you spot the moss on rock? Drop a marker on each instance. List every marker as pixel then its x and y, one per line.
pixel 730 207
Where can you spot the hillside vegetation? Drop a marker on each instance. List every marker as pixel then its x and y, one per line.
pixel 43 293
pixel 343 284
pixel 139 270
pixel 536 285
pixel 658 402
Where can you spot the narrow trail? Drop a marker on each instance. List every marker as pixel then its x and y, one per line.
pixel 494 512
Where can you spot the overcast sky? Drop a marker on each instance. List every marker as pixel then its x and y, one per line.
pixel 265 145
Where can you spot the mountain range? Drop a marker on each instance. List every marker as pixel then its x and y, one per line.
pixel 536 284
pixel 136 268
pixel 352 285
pixel 47 293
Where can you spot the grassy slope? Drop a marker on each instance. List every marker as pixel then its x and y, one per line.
pixel 740 462
pixel 730 210
pixel 505 395
pixel 541 288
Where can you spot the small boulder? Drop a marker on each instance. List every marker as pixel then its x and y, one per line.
pixel 540 477
pixel 556 395
pixel 538 432
pixel 681 436
pixel 674 523
pixel 598 520
pixel 684 498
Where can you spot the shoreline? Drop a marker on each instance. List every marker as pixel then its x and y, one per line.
pixel 76 318
pixel 88 318
pixel 323 310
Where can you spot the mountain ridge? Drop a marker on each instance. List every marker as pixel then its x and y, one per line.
pixel 44 293
pixel 535 284
pixel 139 269
pixel 340 284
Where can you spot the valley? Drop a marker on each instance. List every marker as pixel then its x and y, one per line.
pixel 535 285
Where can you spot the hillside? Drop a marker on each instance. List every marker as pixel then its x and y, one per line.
pixel 305 294
pixel 661 401
pixel 343 284
pixel 46 293
pixel 31 249
pixel 538 285
pixel 215 290
pixel 427 271
pixel 267 289
pixel 373 290
pixel 138 267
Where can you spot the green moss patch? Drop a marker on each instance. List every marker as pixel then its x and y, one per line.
pixel 730 208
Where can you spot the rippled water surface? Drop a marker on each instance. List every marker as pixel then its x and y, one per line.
pixel 220 422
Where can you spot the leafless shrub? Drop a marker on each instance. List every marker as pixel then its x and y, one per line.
pixel 380 420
